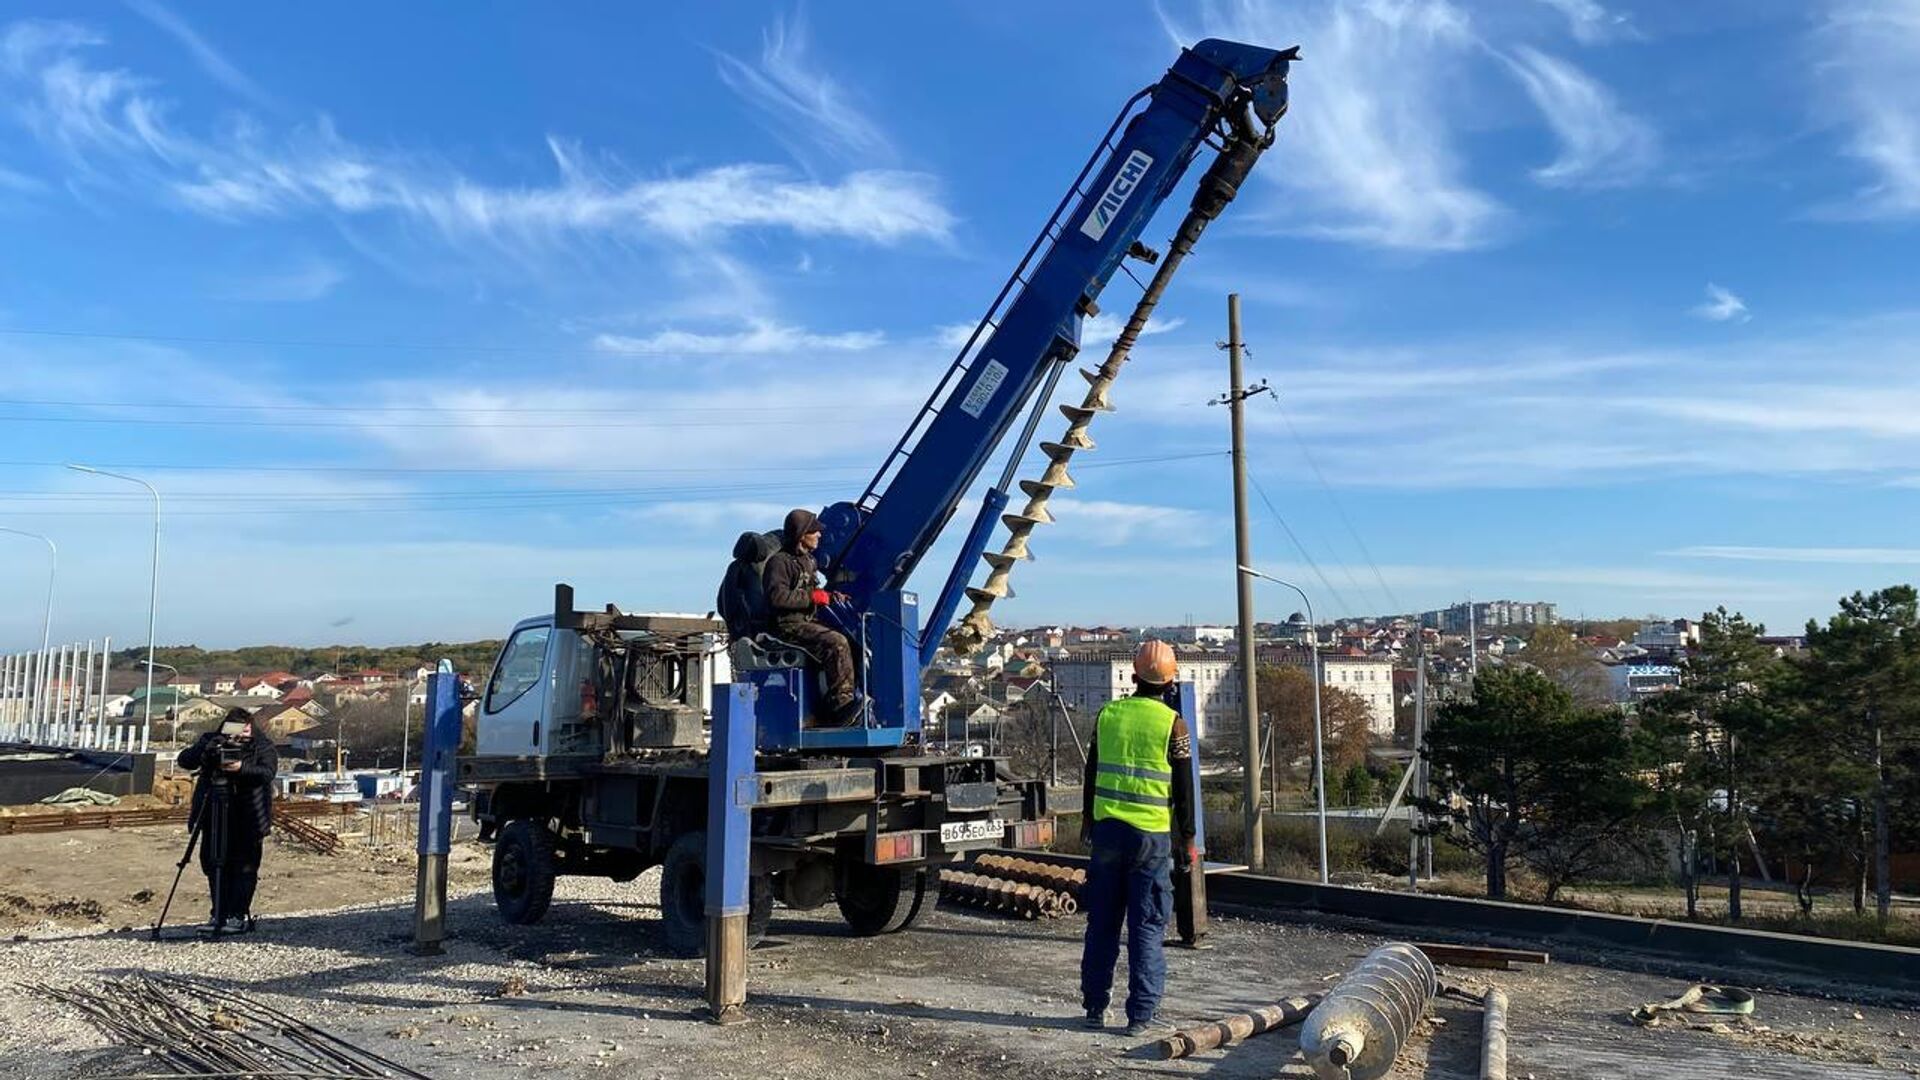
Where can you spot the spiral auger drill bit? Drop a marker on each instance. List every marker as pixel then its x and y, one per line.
pixel 1243 146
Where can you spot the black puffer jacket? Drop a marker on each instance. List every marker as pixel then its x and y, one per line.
pixel 252 804
pixel 742 603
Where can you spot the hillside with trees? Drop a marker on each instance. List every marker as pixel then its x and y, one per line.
pixel 470 657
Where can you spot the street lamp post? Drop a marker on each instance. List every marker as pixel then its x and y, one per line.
pixel 153 594
pixel 1319 736
pixel 53 569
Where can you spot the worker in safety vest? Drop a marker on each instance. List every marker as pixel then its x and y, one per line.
pixel 1137 810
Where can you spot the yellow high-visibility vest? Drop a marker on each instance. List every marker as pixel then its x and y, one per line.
pixel 1133 781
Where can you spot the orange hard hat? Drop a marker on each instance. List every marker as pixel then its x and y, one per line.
pixel 1154 662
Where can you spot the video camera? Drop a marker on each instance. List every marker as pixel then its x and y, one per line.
pixel 227 746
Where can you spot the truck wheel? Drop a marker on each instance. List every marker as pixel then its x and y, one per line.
pixel 523 871
pixel 683 898
pixel 879 899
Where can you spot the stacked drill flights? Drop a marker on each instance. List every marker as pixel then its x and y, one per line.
pixel 1244 145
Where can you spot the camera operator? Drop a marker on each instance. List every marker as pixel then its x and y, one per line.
pixel 241 762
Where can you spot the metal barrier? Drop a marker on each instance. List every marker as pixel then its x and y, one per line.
pixel 57 696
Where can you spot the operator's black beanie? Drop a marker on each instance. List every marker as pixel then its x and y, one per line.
pixel 798 524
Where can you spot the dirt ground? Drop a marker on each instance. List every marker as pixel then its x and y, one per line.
pixel 115 878
pixel 588 992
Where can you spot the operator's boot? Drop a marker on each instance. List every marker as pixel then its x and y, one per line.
pixel 848 713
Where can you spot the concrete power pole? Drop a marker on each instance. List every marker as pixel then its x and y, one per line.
pixel 1243 556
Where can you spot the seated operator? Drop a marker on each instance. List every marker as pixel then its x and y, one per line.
pixel 794 595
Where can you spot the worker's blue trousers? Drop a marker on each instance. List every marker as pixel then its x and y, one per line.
pixel 1131 880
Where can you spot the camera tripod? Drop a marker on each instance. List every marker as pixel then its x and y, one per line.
pixel 210 822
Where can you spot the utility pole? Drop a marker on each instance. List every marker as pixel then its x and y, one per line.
pixel 1243 556
pixel 1420 848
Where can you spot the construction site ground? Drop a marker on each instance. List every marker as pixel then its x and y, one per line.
pixel 588 992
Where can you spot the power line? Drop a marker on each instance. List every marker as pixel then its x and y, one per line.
pixel 1337 507
pixel 302 423
pixel 291 343
pixel 543 470
pixel 1298 546
pixel 451 409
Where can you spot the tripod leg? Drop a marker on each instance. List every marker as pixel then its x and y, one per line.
pixel 193 839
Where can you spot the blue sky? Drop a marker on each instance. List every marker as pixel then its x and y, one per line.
pixel 413 311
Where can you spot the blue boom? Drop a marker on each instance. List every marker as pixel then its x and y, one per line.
pixel 1219 94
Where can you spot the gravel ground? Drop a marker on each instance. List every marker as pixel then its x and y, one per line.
pixel 587 993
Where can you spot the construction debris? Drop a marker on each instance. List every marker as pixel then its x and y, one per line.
pixel 200 1030
pixel 1002 894
pixel 310 836
pixel 1357 1030
pixel 1237 1028
pixel 1700 999
pixel 1479 956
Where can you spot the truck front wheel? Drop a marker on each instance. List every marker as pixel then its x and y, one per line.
pixel 523 871
pixel 683 898
pixel 879 899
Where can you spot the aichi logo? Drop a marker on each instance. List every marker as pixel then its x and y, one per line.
pixel 1117 194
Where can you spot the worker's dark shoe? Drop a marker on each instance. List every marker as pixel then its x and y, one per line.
pixel 1148 1029
pixel 1095 1020
pixel 239 924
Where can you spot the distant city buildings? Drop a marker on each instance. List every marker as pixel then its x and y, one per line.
pixel 1489 615
pixel 1086 680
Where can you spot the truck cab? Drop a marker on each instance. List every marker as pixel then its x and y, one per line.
pixel 590 757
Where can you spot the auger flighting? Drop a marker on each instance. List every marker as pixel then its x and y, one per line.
pixel 1245 143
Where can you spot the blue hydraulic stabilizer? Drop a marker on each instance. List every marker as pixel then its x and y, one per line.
pixel 1219 94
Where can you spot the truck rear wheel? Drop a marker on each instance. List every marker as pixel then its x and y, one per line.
pixel 683 898
pixel 523 871
pixel 879 899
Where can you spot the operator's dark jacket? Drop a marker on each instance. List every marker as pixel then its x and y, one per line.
pixel 252 783
pixel 789 578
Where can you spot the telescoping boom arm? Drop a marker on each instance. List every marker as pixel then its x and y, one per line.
pixel 1218 94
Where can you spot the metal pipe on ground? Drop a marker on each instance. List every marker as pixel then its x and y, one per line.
pixel 1493 1036
pixel 1235 1029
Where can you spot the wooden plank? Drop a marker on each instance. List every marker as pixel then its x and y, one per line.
pixel 1479 956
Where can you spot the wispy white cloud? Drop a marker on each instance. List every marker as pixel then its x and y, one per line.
pixel 1721 305
pixel 1601 143
pixel 799 103
pixel 1855 556
pixel 109 123
pixel 1591 23
pixel 18 181
pixel 1106 523
pixel 1839 402
pixel 1371 139
pixel 210 59
pixel 760 337
pixel 1868 53
pixel 310 280
pixel 1095 333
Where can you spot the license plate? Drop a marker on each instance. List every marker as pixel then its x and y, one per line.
pixel 960 832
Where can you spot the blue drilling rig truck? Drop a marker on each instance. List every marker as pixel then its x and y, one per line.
pixel 598 737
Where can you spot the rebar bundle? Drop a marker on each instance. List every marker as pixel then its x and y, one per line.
pixel 1002 894
pixel 1066 879
pixel 199 1030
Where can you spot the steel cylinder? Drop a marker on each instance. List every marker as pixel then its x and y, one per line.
pixel 1359 1028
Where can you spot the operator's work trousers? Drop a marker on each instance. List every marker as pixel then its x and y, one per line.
pixel 242 871
pixel 830 647
pixel 1129 880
